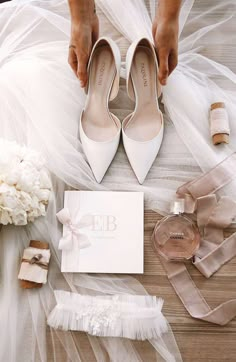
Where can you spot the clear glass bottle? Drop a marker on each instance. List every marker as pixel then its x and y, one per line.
pixel 176 237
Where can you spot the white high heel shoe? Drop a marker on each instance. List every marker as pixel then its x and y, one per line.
pixel 142 130
pixel 100 129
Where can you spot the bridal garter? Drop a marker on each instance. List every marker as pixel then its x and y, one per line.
pixel 129 316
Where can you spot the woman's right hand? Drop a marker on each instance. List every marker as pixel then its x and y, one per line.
pixel 84 33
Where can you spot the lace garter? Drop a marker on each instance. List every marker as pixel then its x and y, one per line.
pixel 129 316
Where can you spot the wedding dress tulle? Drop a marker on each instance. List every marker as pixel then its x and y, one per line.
pixel 41 101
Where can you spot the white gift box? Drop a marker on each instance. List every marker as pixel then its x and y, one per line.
pixel 104 233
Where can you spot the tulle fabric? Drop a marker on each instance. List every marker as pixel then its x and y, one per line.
pixel 136 317
pixel 23 326
pixel 40 106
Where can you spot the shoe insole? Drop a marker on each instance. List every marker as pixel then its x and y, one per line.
pixel 146 121
pixel 97 122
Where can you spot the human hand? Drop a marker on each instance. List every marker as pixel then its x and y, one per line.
pixel 84 33
pixel 165 35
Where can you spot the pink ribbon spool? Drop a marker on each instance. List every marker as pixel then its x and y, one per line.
pixel 219 123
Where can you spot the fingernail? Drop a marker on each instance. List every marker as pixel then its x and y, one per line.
pixel 164 81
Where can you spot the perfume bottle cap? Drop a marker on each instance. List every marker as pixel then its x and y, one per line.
pixel 177 206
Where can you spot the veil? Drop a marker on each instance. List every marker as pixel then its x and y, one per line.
pixel 41 101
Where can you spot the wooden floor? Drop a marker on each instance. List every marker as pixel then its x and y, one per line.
pixel 198 341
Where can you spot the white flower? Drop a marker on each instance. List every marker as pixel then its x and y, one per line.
pixel 35 159
pixel 24 184
pixel 19 217
pixel 13 176
pixel 5 217
pixel 28 177
pixel 42 209
pixel 8 196
pixel 35 213
pixel 43 195
pixel 25 200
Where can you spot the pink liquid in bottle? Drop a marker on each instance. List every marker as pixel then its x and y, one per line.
pixel 176 237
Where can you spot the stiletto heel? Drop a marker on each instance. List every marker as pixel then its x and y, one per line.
pixel 143 129
pixel 99 128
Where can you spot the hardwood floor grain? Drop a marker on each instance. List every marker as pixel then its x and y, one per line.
pixel 198 341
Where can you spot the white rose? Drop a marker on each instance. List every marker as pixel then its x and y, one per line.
pixel 13 176
pixel 43 194
pixel 30 218
pixel 5 217
pixel 19 217
pixel 35 202
pixel 42 209
pixel 45 182
pixel 28 177
pixel 4 188
pixel 33 214
pixel 36 187
pixel 24 184
pixel 34 158
pixel 25 200
pixel 8 196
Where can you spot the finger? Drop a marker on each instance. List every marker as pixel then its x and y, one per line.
pixel 163 56
pixel 173 61
pixel 95 32
pixel 72 60
pixel 154 28
pixel 82 70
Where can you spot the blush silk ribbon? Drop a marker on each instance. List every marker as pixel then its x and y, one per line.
pixel 213 216
pixel 72 233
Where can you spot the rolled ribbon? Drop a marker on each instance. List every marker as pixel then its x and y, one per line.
pixel 36 260
pixel 34 265
pixel 72 232
pixel 213 216
pixel 219 123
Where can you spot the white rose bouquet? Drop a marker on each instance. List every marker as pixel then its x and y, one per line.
pixel 25 185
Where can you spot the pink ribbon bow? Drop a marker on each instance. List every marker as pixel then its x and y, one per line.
pixel 72 233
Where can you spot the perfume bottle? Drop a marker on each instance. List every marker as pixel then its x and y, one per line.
pixel 176 237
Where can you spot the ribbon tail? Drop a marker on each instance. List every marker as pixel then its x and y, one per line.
pixel 84 241
pixel 66 243
pixel 64 216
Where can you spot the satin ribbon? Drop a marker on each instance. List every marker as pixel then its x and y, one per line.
pixel 210 182
pixel 36 260
pixel 72 232
pixel 219 121
pixel 213 216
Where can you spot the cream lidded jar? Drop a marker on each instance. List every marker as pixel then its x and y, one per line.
pixel 176 237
